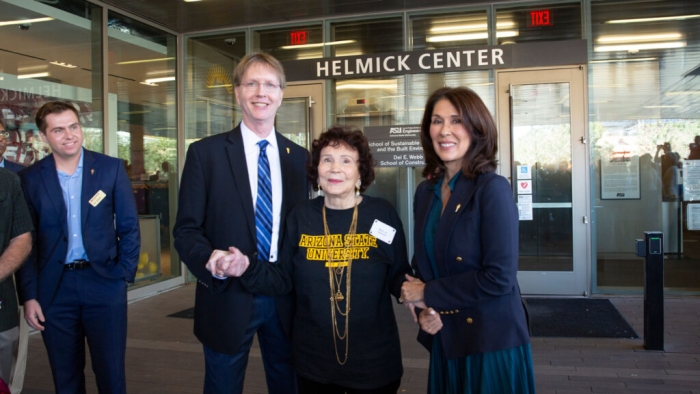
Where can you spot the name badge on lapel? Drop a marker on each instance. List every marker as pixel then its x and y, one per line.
pixel 97 198
pixel 382 231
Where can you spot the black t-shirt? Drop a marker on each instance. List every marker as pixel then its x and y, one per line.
pixel 374 352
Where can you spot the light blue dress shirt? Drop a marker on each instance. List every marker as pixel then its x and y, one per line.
pixel 72 187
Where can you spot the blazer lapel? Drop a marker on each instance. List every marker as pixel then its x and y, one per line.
pixel 53 190
pixel 459 200
pixel 91 174
pixel 239 168
pixel 421 217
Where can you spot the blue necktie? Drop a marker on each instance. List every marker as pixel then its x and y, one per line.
pixel 263 204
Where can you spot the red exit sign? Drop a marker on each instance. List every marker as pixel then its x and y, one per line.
pixel 298 37
pixel 540 18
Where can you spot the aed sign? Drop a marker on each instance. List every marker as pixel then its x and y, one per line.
pixel 540 18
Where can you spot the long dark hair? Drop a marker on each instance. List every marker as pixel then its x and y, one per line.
pixel 481 155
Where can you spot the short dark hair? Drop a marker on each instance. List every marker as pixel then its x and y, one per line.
pixel 53 107
pixel 259 58
pixel 481 155
pixel 351 137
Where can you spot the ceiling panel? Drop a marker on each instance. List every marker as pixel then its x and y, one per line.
pixel 184 17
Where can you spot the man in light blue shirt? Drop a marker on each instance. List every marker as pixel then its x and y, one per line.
pixel 73 285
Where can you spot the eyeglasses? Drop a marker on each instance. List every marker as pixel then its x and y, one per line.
pixel 254 85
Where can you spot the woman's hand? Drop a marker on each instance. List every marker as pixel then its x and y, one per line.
pixel 412 291
pixel 430 321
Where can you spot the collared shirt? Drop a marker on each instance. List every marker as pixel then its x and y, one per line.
pixel 72 187
pixel 2 162
pixel 252 153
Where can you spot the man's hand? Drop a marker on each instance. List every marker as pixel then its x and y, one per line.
pixel 412 291
pixel 217 255
pixel 430 321
pixel 234 264
pixel 34 315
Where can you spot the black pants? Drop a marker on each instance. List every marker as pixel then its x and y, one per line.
pixel 307 386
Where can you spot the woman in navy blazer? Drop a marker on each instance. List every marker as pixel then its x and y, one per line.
pixel 465 290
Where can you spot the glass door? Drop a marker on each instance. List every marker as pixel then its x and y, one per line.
pixel 301 115
pixel 542 123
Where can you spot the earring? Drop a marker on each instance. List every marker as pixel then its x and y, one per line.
pixel 357 188
pixel 320 191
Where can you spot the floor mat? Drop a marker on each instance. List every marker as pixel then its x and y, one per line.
pixel 576 317
pixel 187 313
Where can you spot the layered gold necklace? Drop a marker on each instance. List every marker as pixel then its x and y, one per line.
pixel 336 271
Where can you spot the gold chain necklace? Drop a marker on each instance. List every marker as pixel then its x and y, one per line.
pixel 336 271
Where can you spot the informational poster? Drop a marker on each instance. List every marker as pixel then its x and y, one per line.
pixel 693 216
pixel 691 180
pixel 395 146
pixel 619 178
pixel 525 207
pixel 523 172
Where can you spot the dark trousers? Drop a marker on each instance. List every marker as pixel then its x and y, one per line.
pixel 225 373
pixel 87 305
pixel 307 386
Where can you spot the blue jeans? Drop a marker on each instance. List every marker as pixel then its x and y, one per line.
pixel 225 373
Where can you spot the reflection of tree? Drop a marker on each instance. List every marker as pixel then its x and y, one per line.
pixel 644 135
pixel 545 144
pixel 156 151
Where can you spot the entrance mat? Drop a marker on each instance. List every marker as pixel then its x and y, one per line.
pixel 187 313
pixel 576 317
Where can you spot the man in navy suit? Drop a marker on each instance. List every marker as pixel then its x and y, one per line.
pixel 217 205
pixel 86 249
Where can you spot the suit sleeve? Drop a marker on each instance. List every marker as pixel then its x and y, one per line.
pixel 400 266
pixel 274 279
pixel 498 268
pixel 127 224
pixel 190 241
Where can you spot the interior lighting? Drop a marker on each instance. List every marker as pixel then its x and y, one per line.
pixel 35 75
pixel 390 84
pixel 192 1
pixel 25 21
pixel 319 45
pixel 471 36
pixel 639 38
pixel 63 64
pixel 149 84
pixel 640 47
pixel 655 19
pixel 146 60
pixel 638 59
pixel 162 79
pixel 470 26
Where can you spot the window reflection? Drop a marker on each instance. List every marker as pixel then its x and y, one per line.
pixel 142 91
pixel 644 102
pixel 31 74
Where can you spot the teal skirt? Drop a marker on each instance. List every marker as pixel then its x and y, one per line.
pixel 506 371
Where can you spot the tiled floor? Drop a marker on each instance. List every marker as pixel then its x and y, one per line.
pixel 164 357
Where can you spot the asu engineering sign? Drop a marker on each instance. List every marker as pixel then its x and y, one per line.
pixel 395 146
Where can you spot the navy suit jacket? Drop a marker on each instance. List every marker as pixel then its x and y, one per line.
pixel 110 230
pixel 12 166
pixel 216 211
pixel 476 253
